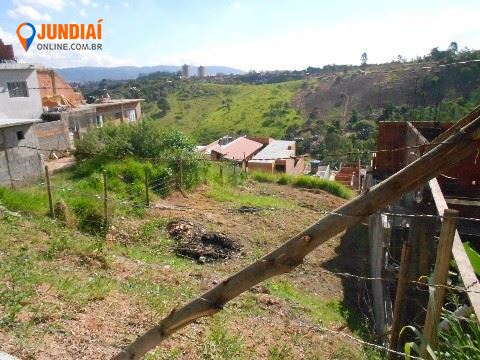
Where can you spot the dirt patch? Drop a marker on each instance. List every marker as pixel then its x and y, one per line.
pixel 194 242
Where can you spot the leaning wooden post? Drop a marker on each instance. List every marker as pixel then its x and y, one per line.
pixel 221 172
pixel 105 200
pixel 292 253
pixel 147 197
pixel 49 192
pixel 439 280
pixel 400 295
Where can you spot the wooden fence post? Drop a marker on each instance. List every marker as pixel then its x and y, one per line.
pixel 400 295
pixel 204 171
pixel 221 172
pixel 235 173
pixel 105 200
pixel 49 191
pixel 147 197
pixel 181 174
pixel 439 280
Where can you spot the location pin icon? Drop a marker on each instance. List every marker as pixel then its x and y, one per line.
pixel 26 42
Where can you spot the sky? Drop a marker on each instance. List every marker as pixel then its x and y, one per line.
pixel 247 34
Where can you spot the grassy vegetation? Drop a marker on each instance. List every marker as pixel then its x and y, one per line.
pixel 209 111
pixel 321 311
pixel 230 194
pixel 303 181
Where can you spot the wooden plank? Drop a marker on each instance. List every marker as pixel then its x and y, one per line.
pixel 461 258
pixel 475 113
pixel 439 279
pixel 400 296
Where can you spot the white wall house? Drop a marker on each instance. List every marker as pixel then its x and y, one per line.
pixel 20 110
pixel 19 92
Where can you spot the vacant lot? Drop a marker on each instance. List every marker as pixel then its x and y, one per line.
pixel 66 295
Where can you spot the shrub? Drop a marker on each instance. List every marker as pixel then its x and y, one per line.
pixel 304 181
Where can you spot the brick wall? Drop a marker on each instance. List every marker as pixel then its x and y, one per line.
pixel 53 84
pixel 52 135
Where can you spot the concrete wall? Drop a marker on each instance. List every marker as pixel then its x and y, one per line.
pixel 113 112
pixel 52 135
pixel 379 234
pixel 20 161
pixel 291 167
pixel 79 120
pixel 296 166
pixel 260 166
pixel 19 107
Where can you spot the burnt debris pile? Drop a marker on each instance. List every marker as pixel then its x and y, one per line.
pixel 193 241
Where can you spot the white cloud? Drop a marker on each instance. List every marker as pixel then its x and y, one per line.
pixel 86 2
pixel 51 4
pixel 126 4
pixel 24 11
pixel 83 13
pixel 382 38
pixel 94 4
pixel 107 7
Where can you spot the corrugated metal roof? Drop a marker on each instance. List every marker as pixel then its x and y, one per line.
pixel 277 149
pixel 239 148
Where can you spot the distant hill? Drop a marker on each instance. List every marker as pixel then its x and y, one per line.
pixel 92 73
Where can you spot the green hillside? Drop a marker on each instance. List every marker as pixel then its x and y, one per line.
pixel 208 111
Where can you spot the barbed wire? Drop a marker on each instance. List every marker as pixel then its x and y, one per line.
pixel 428 216
pixel 416 282
pixel 233 162
pixel 320 328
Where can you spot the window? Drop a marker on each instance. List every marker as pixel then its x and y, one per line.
pixel 99 121
pixel 118 115
pixel 20 135
pixel 132 115
pixel 17 89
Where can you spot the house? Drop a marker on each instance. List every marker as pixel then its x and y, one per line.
pixel 20 96
pixel 257 153
pixel 207 149
pixel 278 156
pixel 237 150
pixel 20 111
pixel 117 111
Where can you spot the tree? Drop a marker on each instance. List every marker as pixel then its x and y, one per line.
pixel 354 117
pixel 364 129
pixel 364 58
pixel 453 48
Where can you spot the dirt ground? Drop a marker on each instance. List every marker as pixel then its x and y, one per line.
pixel 267 323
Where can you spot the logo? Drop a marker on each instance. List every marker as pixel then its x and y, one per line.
pixel 26 42
pixel 48 33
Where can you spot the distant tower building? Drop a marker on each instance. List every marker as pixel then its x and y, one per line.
pixel 201 72
pixel 6 53
pixel 185 72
